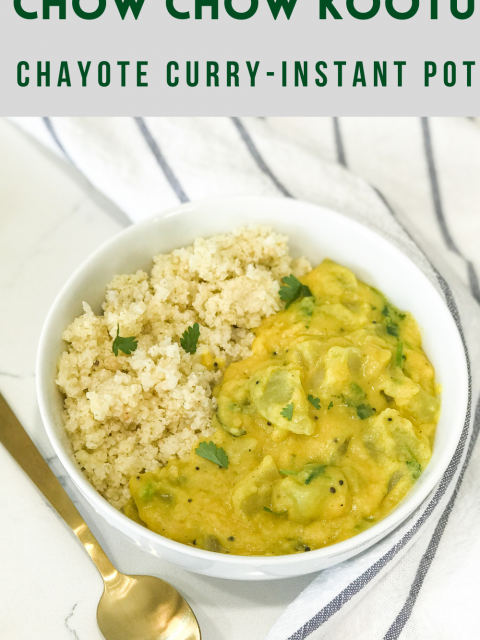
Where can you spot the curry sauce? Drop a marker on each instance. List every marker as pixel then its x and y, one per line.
pixel 324 428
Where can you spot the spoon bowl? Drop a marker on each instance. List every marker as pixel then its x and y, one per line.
pixel 144 608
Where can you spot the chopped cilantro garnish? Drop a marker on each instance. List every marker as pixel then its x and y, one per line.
pixel 127 345
pixel 287 412
pixel 330 406
pixel 293 290
pixel 275 513
pixel 307 305
pixel 210 451
pixel 392 319
pixel 357 390
pixel 415 468
pixel 314 473
pixel 315 401
pixel 399 354
pixel 288 472
pixel 392 329
pixel 365 411
pixel 189 338
pixel 349 402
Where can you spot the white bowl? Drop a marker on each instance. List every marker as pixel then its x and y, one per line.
pixel 316 233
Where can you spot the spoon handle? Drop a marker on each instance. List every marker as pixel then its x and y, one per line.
pixel 18 443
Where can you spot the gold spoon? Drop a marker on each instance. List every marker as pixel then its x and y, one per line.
pixel 131 607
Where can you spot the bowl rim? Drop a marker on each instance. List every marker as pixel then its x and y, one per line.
pixel 131 529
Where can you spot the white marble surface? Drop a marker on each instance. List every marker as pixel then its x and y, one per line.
pixel 50 220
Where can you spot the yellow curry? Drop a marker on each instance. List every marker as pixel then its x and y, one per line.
pixel 320 433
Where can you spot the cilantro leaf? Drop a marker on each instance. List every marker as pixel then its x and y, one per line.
pixel 357 391
pixel 292 290
pixel 275 513
pixel 210 451
pixel 392 318
pixel 190 338
pixel 415 469
pixel 393 329
pixel 127 345
pixel 314 473
pixel 330 406
pixel 287 412
pixel 288 472
pixel 399 354
pixel 365 411
pixel 315 401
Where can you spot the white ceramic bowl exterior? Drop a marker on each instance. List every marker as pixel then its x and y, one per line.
pixel 315 233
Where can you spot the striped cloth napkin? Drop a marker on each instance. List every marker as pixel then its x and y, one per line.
pixel 414 180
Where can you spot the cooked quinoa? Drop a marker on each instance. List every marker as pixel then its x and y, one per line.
pixel 132 413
